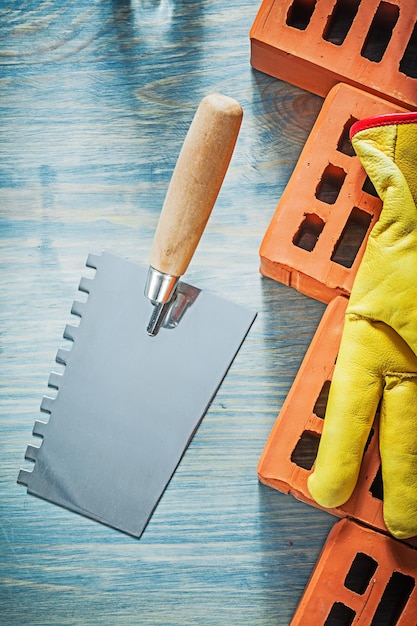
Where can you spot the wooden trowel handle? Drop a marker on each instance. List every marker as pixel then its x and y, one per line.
pixel 196 182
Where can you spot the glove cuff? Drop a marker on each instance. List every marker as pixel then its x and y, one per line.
pixel 386 119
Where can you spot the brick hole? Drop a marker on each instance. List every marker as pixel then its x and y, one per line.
pixel 352 236
pixel 305 452
pixel 308 232
pixel 377 487
pixel 369 188
pixel 393 600
pixel 344 144
pixel 330 184
pixel 340 615
pixel 321 402
pixel 300 12
pixel 408 64
pixel 380 31
pixel 340 21
pixel 359 576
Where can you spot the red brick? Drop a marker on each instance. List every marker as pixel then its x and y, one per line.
pixel 356 567
pixel 324 204
pixel 289 453
pixel 313 53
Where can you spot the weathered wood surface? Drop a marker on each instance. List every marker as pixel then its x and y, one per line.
pixel 96 98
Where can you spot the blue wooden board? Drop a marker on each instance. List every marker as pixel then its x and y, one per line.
pixel 95 99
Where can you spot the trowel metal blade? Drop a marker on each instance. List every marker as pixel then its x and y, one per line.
pixel 128 404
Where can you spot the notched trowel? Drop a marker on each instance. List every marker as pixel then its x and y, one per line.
pixel 147 357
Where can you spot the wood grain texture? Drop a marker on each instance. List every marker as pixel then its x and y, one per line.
pixel 96 97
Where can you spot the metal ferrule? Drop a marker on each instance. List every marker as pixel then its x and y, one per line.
pixel 160 287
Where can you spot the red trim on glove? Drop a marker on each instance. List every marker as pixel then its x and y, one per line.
pixel 387 119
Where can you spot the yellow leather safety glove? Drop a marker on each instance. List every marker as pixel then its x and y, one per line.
pixel 377 359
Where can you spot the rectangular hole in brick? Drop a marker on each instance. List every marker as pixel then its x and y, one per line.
pixel 340 21
pixel 394 599
pixel 362 569
pixel 305 452
pixel 377 487
pixel 408 64
pixel 321 402
pixel 340 615
pixel 369 188
pixel 352 236
pixel 300 12
pixel 309 231
pixel 380 31
pixel 330 184
pixel 344 144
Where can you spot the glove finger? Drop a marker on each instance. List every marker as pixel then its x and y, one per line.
pixel 354 395
pixel 388 155
pixel 398 449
